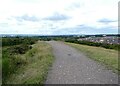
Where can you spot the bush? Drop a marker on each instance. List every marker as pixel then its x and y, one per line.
pixel 10 61
pixel 12 47
pixel 5 67
pixel 107 46
pixel 17 41
pixel 19 49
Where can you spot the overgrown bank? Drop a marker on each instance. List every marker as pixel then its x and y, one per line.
pixel 12 49
pixel 25 63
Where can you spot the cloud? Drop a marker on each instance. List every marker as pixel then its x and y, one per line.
pixel 27 18
pixel 85 29
pixel 57 17
pixel 106 21
pixel 3 24
pixel 73 6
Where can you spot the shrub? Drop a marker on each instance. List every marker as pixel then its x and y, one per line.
pixel 20 49
pixel 104 45
pixel 12 47
pixel 16 41
pixel 5 67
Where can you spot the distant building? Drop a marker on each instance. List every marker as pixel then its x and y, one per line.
pixel 105 39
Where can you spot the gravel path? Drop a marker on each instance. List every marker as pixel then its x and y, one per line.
pixel 72 67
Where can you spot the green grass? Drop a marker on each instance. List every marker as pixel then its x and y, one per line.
pixel 108 57
pixel 0 64
pixel 0 60
pixel 11 59
pixel 38 60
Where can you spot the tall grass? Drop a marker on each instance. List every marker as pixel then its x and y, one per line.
pixel 12 49
pixel 0 61
pixel 11 60
pixel 38 59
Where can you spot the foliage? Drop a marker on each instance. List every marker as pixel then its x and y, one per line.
pixel 11 54
pixel 16 41
pixel 19 49
pixel 104 45
pixel 38 59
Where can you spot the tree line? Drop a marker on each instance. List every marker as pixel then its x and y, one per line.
pixel 104 45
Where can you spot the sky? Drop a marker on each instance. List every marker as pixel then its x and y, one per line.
pixel 58 17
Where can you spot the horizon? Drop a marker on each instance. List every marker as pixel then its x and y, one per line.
pixel 59 17
pixel 55 35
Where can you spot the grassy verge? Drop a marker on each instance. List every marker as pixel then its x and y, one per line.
pixel 38 60
pixel 108 57
pixel 0 61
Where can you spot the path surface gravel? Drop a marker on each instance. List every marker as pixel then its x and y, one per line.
pixel 73 67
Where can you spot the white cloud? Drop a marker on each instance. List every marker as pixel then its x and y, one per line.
pixel 70 13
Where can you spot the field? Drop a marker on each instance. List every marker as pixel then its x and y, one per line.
pixel 26 63
pixel 109 57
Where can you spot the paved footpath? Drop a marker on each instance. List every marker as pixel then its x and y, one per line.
pixel 73 67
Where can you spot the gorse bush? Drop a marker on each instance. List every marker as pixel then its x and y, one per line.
pixel 10 65
pixel 19 49
pixel 11 54
pixel 17 41
pixel 5 67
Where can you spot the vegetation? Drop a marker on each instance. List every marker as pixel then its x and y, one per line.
pixel 38 60
pixel 104 45
pixel 9 41
pixel 25 61
pixel 0 61
pixel 10 61
pixel 12 47
pixel 108 57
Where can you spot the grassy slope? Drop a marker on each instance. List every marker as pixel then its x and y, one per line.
pixel 108 57
pixel 0 61
pixel 39 58
pixel 0 65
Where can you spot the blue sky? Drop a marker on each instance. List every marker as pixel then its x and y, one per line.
pixel 58 17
